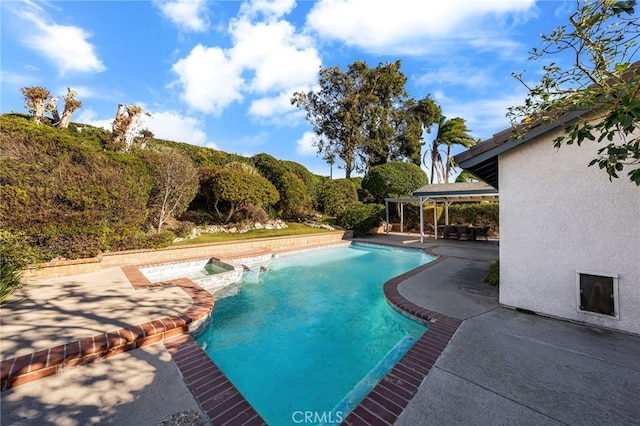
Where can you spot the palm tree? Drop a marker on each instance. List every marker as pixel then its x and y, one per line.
pixel 450 132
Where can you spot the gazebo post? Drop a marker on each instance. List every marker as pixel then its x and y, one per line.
pixel 446 212
pixel 435 219
pixel 401 217
pixel 421 220
pixel 386 208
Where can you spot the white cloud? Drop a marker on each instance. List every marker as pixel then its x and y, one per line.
pixel 403 26
pixel 65 45
pixel 169 125
pixel 174 126
pixel 271 9
pixel 270 56
pixel 187 15
pixel 304 145
pixel 277 110
pixel 279 57
pixel 17 79
pixel 89 116
pixel 82 92
pixel 209 79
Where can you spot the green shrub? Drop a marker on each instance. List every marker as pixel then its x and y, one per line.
pixel 295 199
pixel 337 196
pixel 70 197
pixel 16 251
pixel 76 245
pixel 201 156
pixel 198 216
pixel 154 240
pixel 182 229
pixel 227 192
pixel 311 181
pixel 362 218
pixel 150 240
pixel 476 213
pixel 494 274
pixel 10 279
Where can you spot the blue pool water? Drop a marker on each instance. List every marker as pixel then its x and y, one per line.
pixel 314 334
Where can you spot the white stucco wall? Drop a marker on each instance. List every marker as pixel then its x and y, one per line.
pixel 557 216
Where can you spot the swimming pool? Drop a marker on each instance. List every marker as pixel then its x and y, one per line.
pixel 314 333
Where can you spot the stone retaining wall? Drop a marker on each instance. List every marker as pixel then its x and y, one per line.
pixel 63 268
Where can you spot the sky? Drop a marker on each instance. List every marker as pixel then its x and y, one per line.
pixel 221 74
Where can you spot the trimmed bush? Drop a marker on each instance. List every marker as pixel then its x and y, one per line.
pixel 362 218
pixel 337 196
pixel 295 200
pixel 229 192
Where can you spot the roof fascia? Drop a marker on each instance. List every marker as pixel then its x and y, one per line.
pixel 510 143
pixel 478 192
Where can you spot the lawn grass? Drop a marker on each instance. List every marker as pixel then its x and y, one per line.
pixel 292 229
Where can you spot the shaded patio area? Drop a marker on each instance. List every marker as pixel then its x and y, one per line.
pixel 446 194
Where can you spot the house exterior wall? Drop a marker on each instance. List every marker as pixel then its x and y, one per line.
pixel 558 216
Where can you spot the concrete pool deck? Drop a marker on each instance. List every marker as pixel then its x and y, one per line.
pixel 500 366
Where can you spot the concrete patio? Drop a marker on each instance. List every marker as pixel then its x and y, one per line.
pixel 501 367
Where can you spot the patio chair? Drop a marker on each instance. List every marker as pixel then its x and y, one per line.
pixel 483 232
pixel 463 232
pixel 450 232
pixel 433 231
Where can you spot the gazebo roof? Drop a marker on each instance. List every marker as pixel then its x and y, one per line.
pixel 446 193
pixel 458 191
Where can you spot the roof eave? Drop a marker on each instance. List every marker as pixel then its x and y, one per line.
pixel 482 160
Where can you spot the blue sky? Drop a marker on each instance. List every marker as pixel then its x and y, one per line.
pixel 221 73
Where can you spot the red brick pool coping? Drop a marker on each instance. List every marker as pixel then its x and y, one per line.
pixel 386 401
pixel 222 403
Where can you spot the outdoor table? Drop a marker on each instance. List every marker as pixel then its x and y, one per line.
pixel 472 232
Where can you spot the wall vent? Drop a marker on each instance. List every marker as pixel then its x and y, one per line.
pixel 598 293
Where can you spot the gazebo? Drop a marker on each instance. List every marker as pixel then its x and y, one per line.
pixel 445 193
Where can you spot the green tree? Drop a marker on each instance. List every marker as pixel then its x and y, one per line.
pixel 228 191
pixel 414 119
pixel 396 179
pixel 450 133
pixel 175 184
pixel 360 115
pixel 601 80
pixel 382 91
pixel 466 176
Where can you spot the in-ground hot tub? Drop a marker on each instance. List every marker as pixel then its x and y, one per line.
pixel 218 278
